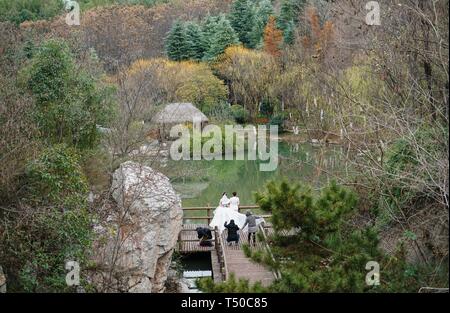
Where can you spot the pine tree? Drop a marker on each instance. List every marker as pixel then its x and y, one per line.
pixel 272 38
pixel 289 33
pixel 220 36
pixel 262 13
pixel 196 41
pixel 208 27
pixel 242 18
pixel 289 16
pixel 177 44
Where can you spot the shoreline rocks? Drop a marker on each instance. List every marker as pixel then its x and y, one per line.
pixel 134 246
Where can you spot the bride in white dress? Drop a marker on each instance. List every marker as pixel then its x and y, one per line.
pixel 223 213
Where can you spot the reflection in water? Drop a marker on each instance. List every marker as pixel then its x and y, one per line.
pixel 202 182
pixel 195 265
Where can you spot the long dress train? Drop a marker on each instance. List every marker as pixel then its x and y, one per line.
pixel 223 214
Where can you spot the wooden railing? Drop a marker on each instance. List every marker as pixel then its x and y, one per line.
pixel 220 249
pixel 209 212
pixel 218 239
pixel 276 273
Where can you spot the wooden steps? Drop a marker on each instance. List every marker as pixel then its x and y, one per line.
pixel 243 267
pixel 235 260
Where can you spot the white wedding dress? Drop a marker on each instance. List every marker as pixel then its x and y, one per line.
pixel 223 213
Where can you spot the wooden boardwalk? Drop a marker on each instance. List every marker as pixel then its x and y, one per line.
pixel 226 258
pixel 242 267
pixel 188 240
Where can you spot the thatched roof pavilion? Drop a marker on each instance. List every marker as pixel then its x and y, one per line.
pixel 178 113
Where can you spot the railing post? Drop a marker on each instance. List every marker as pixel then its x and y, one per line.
pixel 216 239
pixel 263 230
pixel 208 211
pixel 220 253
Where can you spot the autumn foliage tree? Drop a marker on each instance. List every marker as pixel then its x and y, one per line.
pixel 185 81
pixel 250 75
pixel 319 36
pixel 273 38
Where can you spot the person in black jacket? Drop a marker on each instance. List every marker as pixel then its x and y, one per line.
pixel 205 236
pixel 232 232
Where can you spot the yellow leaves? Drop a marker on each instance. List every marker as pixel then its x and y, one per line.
pixel 251 74
pixel 238 56
pixel 204 89
pixel 186 81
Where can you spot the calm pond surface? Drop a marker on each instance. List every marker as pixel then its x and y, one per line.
pixel 201 183
pixel 196 265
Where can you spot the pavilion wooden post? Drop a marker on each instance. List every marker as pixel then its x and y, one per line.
pixel 208 214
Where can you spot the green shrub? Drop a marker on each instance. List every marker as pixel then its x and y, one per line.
pixel 18 11
pixel 56 177
pixel 278 119
pixel 296 206
pixel 70 102
pixel 229 286
pixel 36 246
pixel 221 113
pixel 54 228
pixel 405 183
pixel 88 4
pixel 240 114
pixel 203 139
pixel 266 108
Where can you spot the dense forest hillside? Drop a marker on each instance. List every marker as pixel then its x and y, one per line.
pixel 121 34
pixel 79 101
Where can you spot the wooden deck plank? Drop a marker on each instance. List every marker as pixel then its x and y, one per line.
pixel 215 264
pixel 243 267
pixel 189 241
pixel 235 259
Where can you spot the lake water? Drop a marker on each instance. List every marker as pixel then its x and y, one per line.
pixel 196 265
pixel 201 183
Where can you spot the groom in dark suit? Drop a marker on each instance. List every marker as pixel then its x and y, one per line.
pixel 232 232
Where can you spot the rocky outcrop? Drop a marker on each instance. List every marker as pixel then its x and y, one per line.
pixel 2 281
pixel 134 247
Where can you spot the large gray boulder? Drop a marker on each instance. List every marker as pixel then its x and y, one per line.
pixel 134 247
pixel 2 281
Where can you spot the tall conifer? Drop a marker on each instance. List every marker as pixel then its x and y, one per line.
pixel 242 18
pixel 177 44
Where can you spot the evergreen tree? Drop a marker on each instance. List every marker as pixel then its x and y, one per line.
pixel 220 34
pixel 242 18
pixel 262 13
pixel 209 27
pixel 196 41
pixel 70 101
pixel 289 17
pixel 289 33
pixel 178 47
